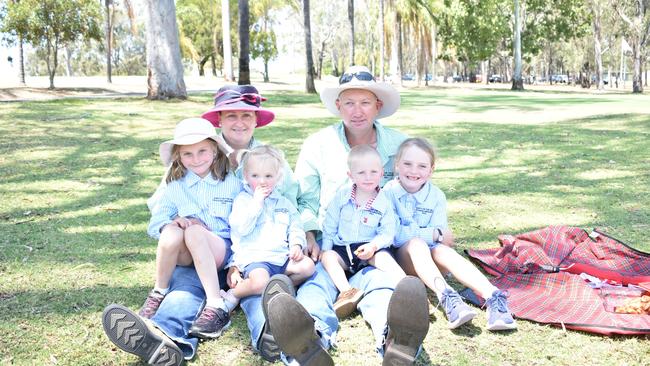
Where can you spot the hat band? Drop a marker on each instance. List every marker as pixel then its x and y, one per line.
pixel 230 97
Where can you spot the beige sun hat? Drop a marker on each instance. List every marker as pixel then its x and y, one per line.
pixel 359 77
pixel 187 132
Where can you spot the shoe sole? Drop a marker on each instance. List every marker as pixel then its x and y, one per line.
pixel 463 318
pixel 278 284
pixel 130 333
pixel 502 326
pixel 293 329
pixel 408 322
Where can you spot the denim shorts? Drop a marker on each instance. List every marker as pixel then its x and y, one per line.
pixel 271 269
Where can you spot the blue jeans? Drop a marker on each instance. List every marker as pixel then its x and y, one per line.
pixel 180 307
pixel 318 294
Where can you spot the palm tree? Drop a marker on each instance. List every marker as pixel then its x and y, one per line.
pixel 244 44
pixel 309 85
pixel 164 66
pixel 351 20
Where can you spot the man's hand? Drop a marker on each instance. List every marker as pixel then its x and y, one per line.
pixel 312 249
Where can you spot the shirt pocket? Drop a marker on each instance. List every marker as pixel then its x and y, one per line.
pixel 368 224
pixel 220 208
pixel 423 217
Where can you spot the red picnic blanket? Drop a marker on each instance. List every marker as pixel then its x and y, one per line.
pixel 532 268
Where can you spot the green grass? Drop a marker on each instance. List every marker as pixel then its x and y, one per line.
pixel 76 174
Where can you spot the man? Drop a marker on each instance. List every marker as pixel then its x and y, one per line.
pixel 397 313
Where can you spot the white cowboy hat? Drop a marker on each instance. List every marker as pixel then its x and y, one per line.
pixel 187 132
pixel 359 77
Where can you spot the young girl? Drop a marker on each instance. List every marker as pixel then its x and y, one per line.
pixel 421 208
pixel 190 220
pixel 266 229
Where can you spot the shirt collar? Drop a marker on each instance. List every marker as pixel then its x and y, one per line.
pixel 382 147
pixel 353 197
pixel 191 179
pixel 420 196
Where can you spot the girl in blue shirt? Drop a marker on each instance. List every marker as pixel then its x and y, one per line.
pixel 190 220
pixel 421 208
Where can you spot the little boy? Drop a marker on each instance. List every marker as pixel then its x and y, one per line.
pixel 359 223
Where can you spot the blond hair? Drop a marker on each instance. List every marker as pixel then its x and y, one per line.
pixel 218 169
pixel 360 151
pixel 266 154
pixel 418 142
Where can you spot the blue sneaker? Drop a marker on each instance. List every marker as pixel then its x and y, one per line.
pixel 457 312
pixel 499 317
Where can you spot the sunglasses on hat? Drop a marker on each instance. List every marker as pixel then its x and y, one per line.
pixel 361 76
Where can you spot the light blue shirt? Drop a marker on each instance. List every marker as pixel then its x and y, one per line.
pixel 263 233
pixel 322 168
pixel 419 214
pixel 206 199
pixel 287 187
pixel 346 224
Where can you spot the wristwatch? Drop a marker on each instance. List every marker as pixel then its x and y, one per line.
pixel 440 237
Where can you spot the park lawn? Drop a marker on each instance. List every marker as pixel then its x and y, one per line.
pixel 76 174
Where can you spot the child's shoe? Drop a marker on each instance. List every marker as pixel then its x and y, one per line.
pixel 151 304
pixel 347 302
pixel 457 312
pixel 211 323
pixel 499 317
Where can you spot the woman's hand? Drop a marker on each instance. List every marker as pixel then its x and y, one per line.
pixel 312 249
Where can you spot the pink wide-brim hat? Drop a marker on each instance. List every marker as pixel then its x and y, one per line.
pixel 238 98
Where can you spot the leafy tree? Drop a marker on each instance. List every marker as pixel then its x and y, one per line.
pixel 310 87
pixel 200 25
pixel 636 16
pixel 51 24
pixel 13 37
pixel 263 40
pixel 110 12
pixel 164 67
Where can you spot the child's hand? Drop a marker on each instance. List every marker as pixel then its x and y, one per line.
pixel 295 253
pixel 365 251
pixel 181 222
pixel 234 277
pixel 261 193
pixel 195 221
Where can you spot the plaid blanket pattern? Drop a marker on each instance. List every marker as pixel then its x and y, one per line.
pixel 526 266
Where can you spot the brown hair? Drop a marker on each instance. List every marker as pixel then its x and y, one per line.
pixel 219 167
pixel 418 142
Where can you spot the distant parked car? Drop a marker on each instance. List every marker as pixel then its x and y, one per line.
pixel 457 78
pixel 495 78
pixel 408 77
pixel 560 79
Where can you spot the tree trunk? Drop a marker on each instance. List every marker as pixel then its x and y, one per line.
pixel 227 46
pixel 351 20
pixel 598 53
pixel 321 56
pixel 637 83
pixel 266 71
pixel 517 81
pixel 109 40
pixel 202 63
pixel 244 44
pixel 68 64
pixel 21 61
pixel 309 84
pixel 382 41
pixel 164 66
pixel 434 53
pixel 400 59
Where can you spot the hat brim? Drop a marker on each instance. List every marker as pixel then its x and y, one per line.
pixel 384 92
pixel 264 116
pixel 165 149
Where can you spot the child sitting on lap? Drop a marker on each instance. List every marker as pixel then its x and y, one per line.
pixel 266 230
pixel 359 223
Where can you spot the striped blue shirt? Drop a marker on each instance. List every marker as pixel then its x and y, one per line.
pixel 206 199
pixel 263 233
pixel 346 224
pixel 288 186
pixel 419 214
